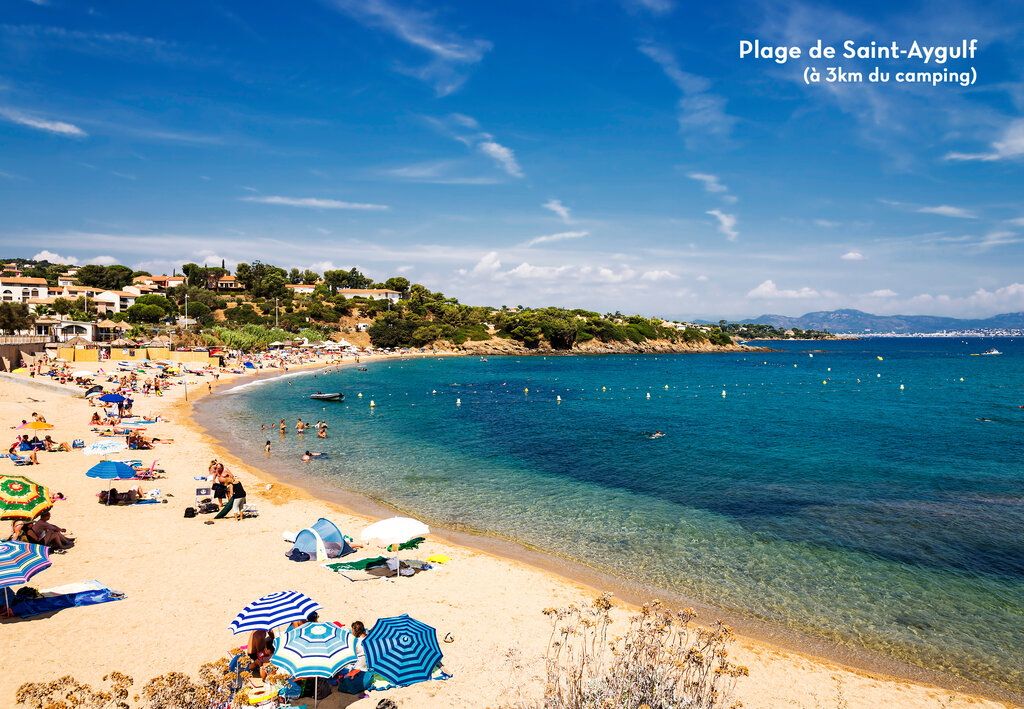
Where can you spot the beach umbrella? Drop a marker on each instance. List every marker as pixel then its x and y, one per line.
pixel 105 446
pixel 83 373
pixel 111 470
pixel 395 530
pixel 272 610
pixel 20 561
pixel 21 498
pixel 314 650
pixel 112 398
pixel 402 649
pixel 38 426
pixel 19 370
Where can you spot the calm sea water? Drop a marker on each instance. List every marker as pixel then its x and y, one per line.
pixel 816 494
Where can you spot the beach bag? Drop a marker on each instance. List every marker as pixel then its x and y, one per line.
pixel 296 555
pixel 78 443
pixel 190 511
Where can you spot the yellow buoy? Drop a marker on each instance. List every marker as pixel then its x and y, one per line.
pixel 901 387
pixel 372 404
pixel 880 359
pixel 603 389
pixel 823 381
pixel 961 378
pixel 666 386
pixel 526 391
pixel 360 395
pixel 458 402
pixel 434 391
pixel 723 393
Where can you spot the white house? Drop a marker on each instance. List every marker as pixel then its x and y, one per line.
pixel 115 301
pixel 19 289
pixel 301 288
pixel 371 293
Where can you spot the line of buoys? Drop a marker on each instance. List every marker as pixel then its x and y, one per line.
pixel 360 395
pixel 434 391
pixel 723 393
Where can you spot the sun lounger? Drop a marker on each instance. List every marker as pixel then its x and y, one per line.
pixel 19 460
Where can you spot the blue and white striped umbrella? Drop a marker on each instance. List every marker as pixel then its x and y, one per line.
pixel 314 650
pixel 402 649
pixel 273 610
pixel 20 561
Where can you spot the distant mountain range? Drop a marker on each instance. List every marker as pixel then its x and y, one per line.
pixel 859 322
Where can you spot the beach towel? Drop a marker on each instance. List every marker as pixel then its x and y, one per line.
pixel 380 683
pixel 86 593
pixel 358 564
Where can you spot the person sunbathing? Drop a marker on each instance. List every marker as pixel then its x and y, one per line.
pixel 50 534
pixel 52 445
pixel 95 420
pixel 128 497
pixel 21 531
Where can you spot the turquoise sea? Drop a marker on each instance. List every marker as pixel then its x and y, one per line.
pixel 816 495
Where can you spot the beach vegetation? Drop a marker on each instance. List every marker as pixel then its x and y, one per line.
pixel 660 661
pixel 142 313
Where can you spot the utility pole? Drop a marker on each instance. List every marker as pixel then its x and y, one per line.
pixel 275 312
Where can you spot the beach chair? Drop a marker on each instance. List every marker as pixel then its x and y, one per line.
pixel 250 510
pixel 202 492
pixel 20 460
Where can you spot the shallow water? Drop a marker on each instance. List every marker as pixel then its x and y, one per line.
pixel 888 519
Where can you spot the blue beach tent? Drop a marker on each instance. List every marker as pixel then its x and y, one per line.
pixel 322 541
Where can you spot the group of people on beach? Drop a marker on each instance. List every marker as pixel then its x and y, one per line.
pixel 227 490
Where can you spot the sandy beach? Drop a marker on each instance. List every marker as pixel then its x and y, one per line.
pixel 184 581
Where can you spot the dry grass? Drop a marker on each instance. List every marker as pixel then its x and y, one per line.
pixel 661 662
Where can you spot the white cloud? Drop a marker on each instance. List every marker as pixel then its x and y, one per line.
pixel 556 206
pixel 404 269
pixel 711 182
pixel 825 223
pixel 1019 221
pixel 945 210
pixel 58 127
pixel 314 203
pixel 562 236
pixel 726 223
pixel 655 7
pixel 703 279
pixel 451 54
pixel 699 112
pixel 659 275
pixel 1010 146
pixel 103 260
pixel 883 293
pixel 853 256
pixel 438 172
pixel 769 290
pixel 55 258
pixel 999 238
pixel 488 265
pixel 505 158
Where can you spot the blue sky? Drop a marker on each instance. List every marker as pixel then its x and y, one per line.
pixel 613 155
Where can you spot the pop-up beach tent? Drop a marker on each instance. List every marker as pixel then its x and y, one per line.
pixel 322 541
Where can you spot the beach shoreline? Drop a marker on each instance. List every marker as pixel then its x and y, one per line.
pixel 185 581
pixel 595 580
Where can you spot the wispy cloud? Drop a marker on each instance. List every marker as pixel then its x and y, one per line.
pixel 505 158
pixel 556 237
pixel 883 293
pixel 701 114
pixel 655 7
pixel 1011 146
pixel 438 172
pixel 57 127
pixel 658 275
pixel 455 126
pixel 945 210
pixel 556 206
pixel 853 256
pixel 769 290
pixel 314 203
pixel 726 223
pixel 713 185
pixel 825 223
pixel 451 54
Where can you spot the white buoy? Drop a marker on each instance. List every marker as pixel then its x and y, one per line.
pixel 458 402
pixel 360 395
pixel 878 375
pixel 723 393
pixel 648 395
pixel 901 387
pixel 830 369
pixel 372 404
pixel 961 378
pixel 559 399
pixel 434 391
pixel 811 356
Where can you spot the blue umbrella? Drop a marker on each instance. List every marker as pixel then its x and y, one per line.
pixel 273 610
pixel 314 650
pixel 111 470
pixel 112 398
pixel 402 649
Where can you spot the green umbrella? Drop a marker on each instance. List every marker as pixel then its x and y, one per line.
pixel 21 498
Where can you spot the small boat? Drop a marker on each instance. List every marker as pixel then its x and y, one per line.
pixel 320 396
pixel 992 351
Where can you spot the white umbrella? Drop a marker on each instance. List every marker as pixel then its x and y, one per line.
pixel 105 447
pixel 393 531
pixel 95 393
pixel 83 373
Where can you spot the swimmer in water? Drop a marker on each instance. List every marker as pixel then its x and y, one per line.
pixel 658 434
pixel 266 447
pixel 306 456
